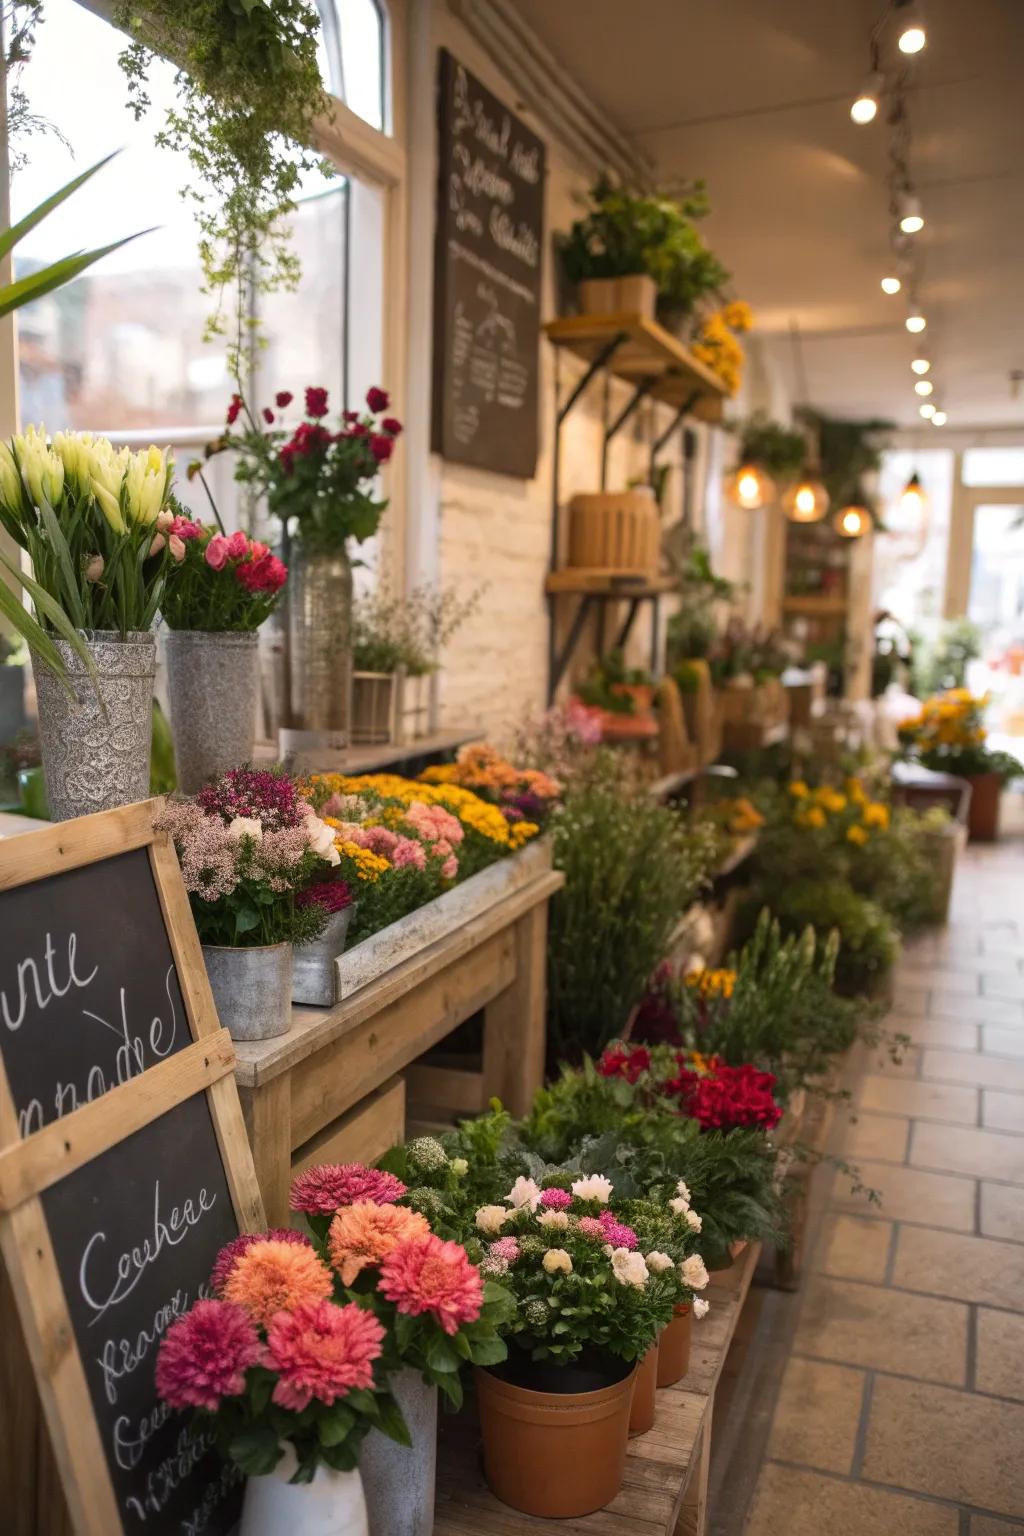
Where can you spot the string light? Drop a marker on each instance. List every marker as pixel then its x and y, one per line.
pixel 916 323
pixel 927 410
pixel 865 109
pixel 920 365
pixel 924 386
pixel 891 285
pixel 939 418
pixel 851 522
pixel 911 217
pixel 750 488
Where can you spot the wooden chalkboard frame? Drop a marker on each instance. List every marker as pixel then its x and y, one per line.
pixel 30 1165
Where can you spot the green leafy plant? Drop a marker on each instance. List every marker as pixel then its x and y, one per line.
pixel 248 93
pixel 848 452
pixel 610 683
pixel 868 939
pixel 780 451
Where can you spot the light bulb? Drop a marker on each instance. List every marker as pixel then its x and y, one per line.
pixel 913 499
pixel 851 522
pixel 891 285
pixel 911 217
pixel 912 36
pixel 938 418
pixel 806 501
pixel 927 410
pixel 916 323
pixel 865 108
pixel 924 387
pixel 750 488
pixel 920 365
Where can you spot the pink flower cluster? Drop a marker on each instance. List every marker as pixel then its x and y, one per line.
pixel 436 1277
pixel 225 1261
pixel 213 862
pixel 252 563
pixel 591 1227
pixel 322 1351
pixel 438 827
pixel 616 1232
pixel 329 1186
pixel 206 1354
pixel 500 1255
pixel 556 1199
pixel 399 851
pixel 271 798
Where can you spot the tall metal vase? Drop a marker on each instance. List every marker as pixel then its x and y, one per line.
pixel 96 741
pixel 213 680
pixel 398 1480
pixel 320 640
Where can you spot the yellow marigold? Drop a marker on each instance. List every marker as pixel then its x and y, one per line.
pixel 857 834
pixel 700 1063
pixel 832 800
pixel 738 315
pixel 272 1276
pixel 814 816
pixel 856 791
pixel 520 832
pixel 710 983
pixel 365 1233
pixel 369 865
pixel 798 789
pixel 441 773
pixel 876 814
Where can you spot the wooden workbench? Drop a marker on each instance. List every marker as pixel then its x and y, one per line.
pixel 664 1491
pixel 334 1088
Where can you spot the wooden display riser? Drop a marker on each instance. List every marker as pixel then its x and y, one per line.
pixel 664 1491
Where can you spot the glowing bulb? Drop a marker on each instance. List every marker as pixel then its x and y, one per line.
pixel 891 285
pixel 912 39
pixel 864 110
pixel 920 365
pixel 851 522
pixel 911 223
pixel 911 217
pixel 806 501
pixel 939 418
pixel 927 410
pixel 913 499
pixel 916 323
pixel 924 386
pixel 749 487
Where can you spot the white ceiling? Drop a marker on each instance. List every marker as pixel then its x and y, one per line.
pixel 754 96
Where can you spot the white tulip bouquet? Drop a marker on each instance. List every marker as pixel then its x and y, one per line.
pixel 97 525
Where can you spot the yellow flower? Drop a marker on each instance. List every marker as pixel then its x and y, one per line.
pixel 520 832
pixel 876 814
pixel 814 816
pixel 831 799
pixel 738 315
pixel 798 789
pixel 856 834
pixel 856 792
pixel 369 865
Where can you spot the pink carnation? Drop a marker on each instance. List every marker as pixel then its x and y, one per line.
pixel 229 1255
pixel 238 545
pixel 450 867
pixel 506 1248
pixel 185 528
pixel 205 1356
pixel 556 1199
pixel 407 852
pixel 619 1235
pixel 435 825
pixel 327 1187
pixel 591 1227
pixel 321 1350
pixel 429 1275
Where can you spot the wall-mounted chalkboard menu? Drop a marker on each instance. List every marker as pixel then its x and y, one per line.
pixel 487 278
pixel 123 1161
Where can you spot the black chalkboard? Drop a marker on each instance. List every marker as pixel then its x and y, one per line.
pixel 90 998
pixel 487 278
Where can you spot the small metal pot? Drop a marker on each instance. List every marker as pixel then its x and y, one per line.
pixel 398 1480
pixel 252 989
pixel 213 681
pixel 314 979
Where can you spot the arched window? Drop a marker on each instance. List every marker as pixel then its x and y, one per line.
pixel 354 57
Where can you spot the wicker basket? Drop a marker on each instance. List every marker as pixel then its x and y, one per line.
pixel 617 532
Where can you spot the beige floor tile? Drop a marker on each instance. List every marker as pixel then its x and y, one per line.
pixel 794 1503
pixel 816 1415
pixel 882 1136
pixel 955 1149
pixel 1002 1111
pixel 950 1444
pixel 976 1010
pixel 999 984
pixel 880 1063
pixel 910 1000
pixel 1002 1041
pixel 941 1034
pixel 925 1101
pixel 940 982
pixel 911 1194
pixel 981 1525
pixel 973 1067
pixel 866 1325
pixel 854 1248
pixel 999 1363
pixel 1002 1211
pixel 965 1268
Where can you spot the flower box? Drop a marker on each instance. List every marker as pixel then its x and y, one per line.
pixel 400 941
pixel 373 708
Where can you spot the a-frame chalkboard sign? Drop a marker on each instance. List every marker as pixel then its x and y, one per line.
pixel 124 1164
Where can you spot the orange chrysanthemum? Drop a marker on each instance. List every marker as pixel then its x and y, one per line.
pixel 271 1277
pixel 365 1233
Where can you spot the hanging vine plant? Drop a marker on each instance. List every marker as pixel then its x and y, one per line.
pixel 248 90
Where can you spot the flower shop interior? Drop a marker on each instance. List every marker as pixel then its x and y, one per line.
pixel 511 768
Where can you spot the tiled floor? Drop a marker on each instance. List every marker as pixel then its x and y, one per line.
pixel 901 1410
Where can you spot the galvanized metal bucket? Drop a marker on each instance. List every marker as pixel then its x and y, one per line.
pixel 398 1480
pixel 252 989
pixel 213 681
pixel 314 976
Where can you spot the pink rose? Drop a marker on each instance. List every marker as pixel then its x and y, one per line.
pixel 157 545
pixel 185 528
pixel 258 550
pixel 217 552
pixel 238 546
pixel 176 547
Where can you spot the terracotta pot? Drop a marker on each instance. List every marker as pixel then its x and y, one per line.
pixel 736 1248
pixel 554 1454
pixel 674 1348
pixel 983 815
pixel 641 1413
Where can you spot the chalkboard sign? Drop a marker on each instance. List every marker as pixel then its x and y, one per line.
pixel 124 1166
pixel 487 278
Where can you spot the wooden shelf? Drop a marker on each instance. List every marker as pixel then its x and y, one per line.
pixel 814 604
pixel 603 584
pixel 648 353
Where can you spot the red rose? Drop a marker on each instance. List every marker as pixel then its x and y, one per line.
pixel 350 415
pixel 234 409
pixel 268 415
pixel 381 446
pixel 377 399
pixel 316 402
pixel 389 424
pixel 283 398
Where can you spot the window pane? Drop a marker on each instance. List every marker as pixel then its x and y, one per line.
pixel 993 466
pixel 305 330
pixel 361 30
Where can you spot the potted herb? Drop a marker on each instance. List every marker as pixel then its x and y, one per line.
pixel 214 601
pixel 948 736
pixel 622 698
pixel 319 482
pixel 250 850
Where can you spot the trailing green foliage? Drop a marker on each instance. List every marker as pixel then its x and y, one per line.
pixel 868 940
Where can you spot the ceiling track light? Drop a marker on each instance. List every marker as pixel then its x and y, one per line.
pixel 939 418
pixel 927 410
pixel 891 285
pixel 910 35
pixel 908 208
pixel 865 108
pixel 915 322
pixel 924 386
pixel 920 365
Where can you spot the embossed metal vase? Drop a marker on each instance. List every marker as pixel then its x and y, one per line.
pixel 213 682
pixel 398 1480
pixel 96 740
pixel 320 640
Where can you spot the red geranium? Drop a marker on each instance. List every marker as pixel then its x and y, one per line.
pixel 726 1097
pixel 625 1061
pixel 316 401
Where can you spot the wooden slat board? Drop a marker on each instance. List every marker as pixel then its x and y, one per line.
pixel 648 353
pixel 659 1465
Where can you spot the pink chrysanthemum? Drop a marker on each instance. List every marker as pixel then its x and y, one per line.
pixel 506 1248
pixel 321 1350
pixel 556 1199
pixel 270 1276
pixel 205 1356
pixel 429 1275
pixel 225 1261
pixel 326 1188
pixel 591 1227
pixel 619 1235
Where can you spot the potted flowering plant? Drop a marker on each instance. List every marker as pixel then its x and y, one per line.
pixel 319 483
pixel 436 1309
pixel 948 735
pixel 286 1373
pixel 253 854
pixel 215 599
pixel 96 526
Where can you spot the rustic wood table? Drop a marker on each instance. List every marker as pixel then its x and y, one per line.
pixel 664 1492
